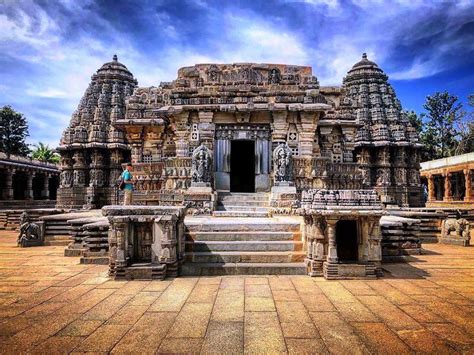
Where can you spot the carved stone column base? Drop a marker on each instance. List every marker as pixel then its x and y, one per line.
pixel 283 198
pixel 200 200
pixel 314 267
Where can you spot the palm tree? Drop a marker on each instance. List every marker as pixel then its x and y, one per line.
pixel 44 153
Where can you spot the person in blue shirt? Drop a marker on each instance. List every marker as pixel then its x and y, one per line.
pixel 128 181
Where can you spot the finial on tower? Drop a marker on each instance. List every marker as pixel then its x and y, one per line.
pixel 115 58
pixel 364 55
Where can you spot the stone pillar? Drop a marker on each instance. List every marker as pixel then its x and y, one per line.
pixel 8 192
pixel 448 196
pixel 279 126
pixel 45 191
pixel 332 245
pixel 431 188
pixel 468 185
pixel 29 186
pixel 309 122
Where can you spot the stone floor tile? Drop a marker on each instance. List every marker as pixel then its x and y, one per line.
pixel 454 335
pixel 113 284
pixel 232 283
pixel 88 300
pixel 358 288
pixel 258 291
pixel 281 283
pixel 57 345
pixel 305 346
pixel 127 315
pixel 209 280
pixel 262 333
pixel 286 295
pixel 256 280
pixel 229 306
pixel 44 309
pixel 316 302
pixel 421 314
pixel 104 338
pixel 259 304
pixel 423 341
pixel 378 336
pixel 107 308
pixel 336 292
pixel 157 286
pixel 147 334
pixel 81 328
pixel 391 293
pixel 224 338
pixel 337 334
pixel 292 312
pixel 390 314
pixel 192 321
pixel 299 330
pixel 180 346
pixel 454 314
pixel 355 312
pixel 204 293
pixel 144 298
pixel 132 287
pixel 174 297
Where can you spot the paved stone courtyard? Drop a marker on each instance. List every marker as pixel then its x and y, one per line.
pixel 51 304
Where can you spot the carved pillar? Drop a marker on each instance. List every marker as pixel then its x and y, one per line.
pixel 332 245
pixel 279 126
pixel 8 191
pixel 309 122
pixel 45 191
pixel 448 196
pixel 468 185
pixel 431 188
pixel 181 129
pixel 29 186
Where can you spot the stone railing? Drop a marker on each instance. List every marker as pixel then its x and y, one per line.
pixel 145 242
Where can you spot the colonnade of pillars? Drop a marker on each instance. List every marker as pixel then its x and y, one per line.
pixel 447 187
pixel 20 184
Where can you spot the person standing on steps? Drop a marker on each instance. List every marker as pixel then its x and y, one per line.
pixel 128 182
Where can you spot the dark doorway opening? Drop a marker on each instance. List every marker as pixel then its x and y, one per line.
pixel 242 166
pixel 346 240
pixel 142 241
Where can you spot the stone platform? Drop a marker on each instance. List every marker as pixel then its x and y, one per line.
pixel 53 304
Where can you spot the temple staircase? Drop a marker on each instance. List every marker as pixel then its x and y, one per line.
pixel 241 238
pixel 240 204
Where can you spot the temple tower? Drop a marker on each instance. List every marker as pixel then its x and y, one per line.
pixel 386 145
pixel 92 151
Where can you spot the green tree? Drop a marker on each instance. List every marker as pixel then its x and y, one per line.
pixel 443 113
pixel 414 120
pixel 466 130
pixel 13 131
pixel 44 153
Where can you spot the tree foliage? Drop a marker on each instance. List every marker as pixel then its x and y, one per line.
pixel 440 134
pixel 13 131
pixel 44 153
pixel 466 130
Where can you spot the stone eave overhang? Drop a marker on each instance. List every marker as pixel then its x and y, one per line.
pixel 142 122
pixel 352 123
pixel 248 107
pixel 15 164
pixel 93 145
pixel 387 143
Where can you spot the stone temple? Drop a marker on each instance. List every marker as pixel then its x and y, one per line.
pixel 256 154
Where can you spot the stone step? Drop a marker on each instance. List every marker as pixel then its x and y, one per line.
pixel 198 269
pixel 210 224
pixel 245 257
pixel 244 246
pixel 240 213
pixel 243 208
pixel 243 236
pixel 243 203
pixel 243 197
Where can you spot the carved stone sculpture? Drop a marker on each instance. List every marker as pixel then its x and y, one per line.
pixel 201 165
pixel 30 233
pixel 283 163
pixel 461 234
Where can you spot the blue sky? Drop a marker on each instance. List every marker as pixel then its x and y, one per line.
pixel 49 49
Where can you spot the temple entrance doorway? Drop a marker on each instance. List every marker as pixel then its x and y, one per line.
pixel 242 166
pixel 346 240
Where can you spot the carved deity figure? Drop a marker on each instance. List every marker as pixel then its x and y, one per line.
pixel 201 165
pixel 383 177
pixel 283 163
pixel 274 76
pixel 66 178
pixel 28 230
